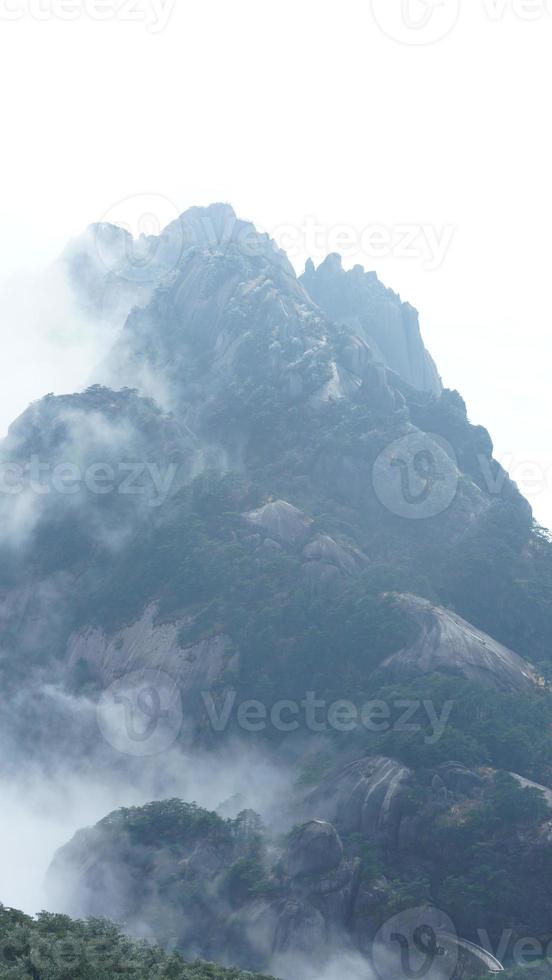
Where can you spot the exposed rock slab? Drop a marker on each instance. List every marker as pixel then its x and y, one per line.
pixel 447 643
pixel 149 645
pixel 281 520
pixel 363 797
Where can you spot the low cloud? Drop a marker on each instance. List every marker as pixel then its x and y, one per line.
pixel 48 342
pixel 45 802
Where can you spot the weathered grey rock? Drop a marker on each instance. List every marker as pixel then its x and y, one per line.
pixel 357 355
pixel 342 384
pixel 320 576
pixel 151 645
pixel 445 642
pixel 207 860
pixel 301 929
pixel 363 797
pixel 310 918
pixel 529 784
pixel 252 931
pixel 314 849
pixel 281 520
pixel 372 896
pixel 227 282
pixel 377 317
pixel 324 549
pixel 270 548
pixel 458 778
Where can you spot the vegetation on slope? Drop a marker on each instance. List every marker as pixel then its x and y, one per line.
pixel 55 947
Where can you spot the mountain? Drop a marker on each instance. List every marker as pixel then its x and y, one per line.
pixel 268 496
pixel 224 889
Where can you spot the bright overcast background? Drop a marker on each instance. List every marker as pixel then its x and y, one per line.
pixel 369 119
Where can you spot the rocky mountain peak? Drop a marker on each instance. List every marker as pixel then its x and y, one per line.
pixel 358 300
pixel 217 229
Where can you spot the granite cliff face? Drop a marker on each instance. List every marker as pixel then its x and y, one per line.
pixel 376 317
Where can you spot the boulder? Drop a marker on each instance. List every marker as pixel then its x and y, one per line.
pixel 363 797
pixel 314 849
pixel 458 778
pixel 324 549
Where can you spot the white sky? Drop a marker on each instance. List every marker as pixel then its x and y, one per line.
pixel 298 110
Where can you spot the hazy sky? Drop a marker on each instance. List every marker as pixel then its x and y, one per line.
pixel 419 125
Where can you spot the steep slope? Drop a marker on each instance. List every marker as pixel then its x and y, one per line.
pixel 283 480
pixel 47 947
pixel 269 497
pixel 375 316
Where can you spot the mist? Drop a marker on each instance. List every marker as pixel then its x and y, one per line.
pixel 47 800
pixel 351 966
pixel 49 343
